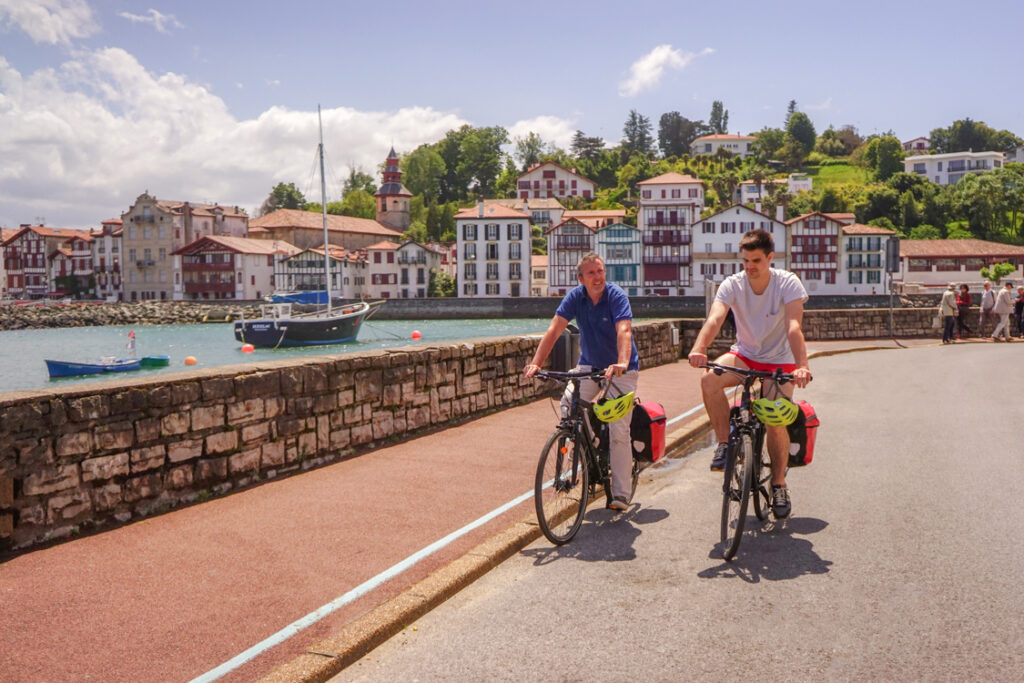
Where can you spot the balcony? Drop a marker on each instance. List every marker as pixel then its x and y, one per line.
pixel 209 287
pixel 571 244
pixel 144 263
pixel 412 260
pixel 667 237
pixel 227 266
pixel 676 259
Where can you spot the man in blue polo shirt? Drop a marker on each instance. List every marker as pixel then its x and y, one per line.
pixel 602 312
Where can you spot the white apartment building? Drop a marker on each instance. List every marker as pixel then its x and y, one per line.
pixel 549 179
pixel 932 264
pixel 716 244
pixel 224 267
pixel 106 259
pixel 863 259
pixel 494 247
pixel 382 261
pixel 738 145
pixel 669 206
pixel 415 261
pixel 948 169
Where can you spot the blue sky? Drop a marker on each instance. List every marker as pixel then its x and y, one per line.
pixel 216 100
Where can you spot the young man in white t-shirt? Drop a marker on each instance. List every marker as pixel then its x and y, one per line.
pixel 768 306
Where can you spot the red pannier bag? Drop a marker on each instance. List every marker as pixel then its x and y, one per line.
pixel 647 430
pixel 802 434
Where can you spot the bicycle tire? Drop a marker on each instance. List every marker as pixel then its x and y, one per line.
pixel 763 487
pixel 561 488
pixel 736 494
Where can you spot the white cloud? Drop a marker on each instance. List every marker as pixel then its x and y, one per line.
pixel 827 104
pixel 273 82
pixel 80 142
pixel 551 129
pixel 160 21
pixel 50 21
pixel 646 72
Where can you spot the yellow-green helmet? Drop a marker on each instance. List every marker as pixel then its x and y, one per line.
pixel 775 411
pixel 612 409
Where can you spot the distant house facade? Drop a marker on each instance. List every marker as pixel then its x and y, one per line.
pixel 415 261
pixel 5 234
pixel 494 247
pixel 539 275
pixel 305 229
pixel 669 206
pixel 716 244
pixel 935 263
pixel 917 146
pixel 382 264
pixel 544 212
pixel 737 145
pixel 619 245
pixel 223 267
pixel 153 228
pixel 567 243
pixel 304 272
pixel 71 268
pixel 26 256
pixel 106 259
pixel 949 169
pixel 863 259
pixel 549 179
pixel 814 250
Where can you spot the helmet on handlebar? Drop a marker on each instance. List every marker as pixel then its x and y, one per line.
pixel 612 409
pixel 778 412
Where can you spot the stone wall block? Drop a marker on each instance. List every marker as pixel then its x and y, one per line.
pixel 207 417
pixel 383 424
pixel 369 386
pixel 128 401
pixel 272 454
pixel 416 418
pixel 257 385
pixel 272 407
pixel 221 442
pixel 179 478
pixel 362 434
pixel 6 492
pixel 392 395
pixel 185 393
pixel 118 435
pixel 323 433
pixel 67 506
pixel 175 423
pixel 70 445
pixel 216 388
pixel 290 426
pixel 34 453
pixel 246 462
pixel 142 487
pixel 6 525
pixel 211 470
pixel 291 381
pixel 106 497
pixel 471 384
pixel 148 458
pixel 300 407
pixel 85 408
pixel 324 403
pixel 256 432
pixel 307 445
pixel 21 417
pixel 147 430
pixel 315 378
pixel 244 411
pixel 184 449
pixel 340 438
pixel 105 467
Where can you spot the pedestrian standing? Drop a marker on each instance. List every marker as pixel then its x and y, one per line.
pixel 947 309
pixel 1018 311
pixel 988 300
pixel 1003 309
pixel 963 307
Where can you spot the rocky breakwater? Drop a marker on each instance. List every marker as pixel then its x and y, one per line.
pixel 79 314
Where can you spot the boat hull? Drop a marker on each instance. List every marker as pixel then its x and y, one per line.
pixel 60 368
pixel 155 361
pixel 270 333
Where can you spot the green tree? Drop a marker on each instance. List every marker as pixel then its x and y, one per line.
pixel 637 134
pixel 965 135
pixel 423 171
pixel 956 232
pixel 529 150
pixel 283 196
pixel 538 243
pixel 768 142
pixel 718 120
pixel 831 201
pixel 924 232
pixel 481 159
pixel 357 180
pixel 791 154
pixel 440 284
pixel 909 214
pixel 884 156
pixel 584 147
pixel 675 133
pixel 878 202
pixel 800 128
pixel 829 143
pixel 790 110
pixel 997 272
pixel 417 232
pixel 358 203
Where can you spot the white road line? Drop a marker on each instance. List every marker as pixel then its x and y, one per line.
pixel 362 589
pixel 357 592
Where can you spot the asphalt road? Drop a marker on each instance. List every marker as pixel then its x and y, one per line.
pixel 903 558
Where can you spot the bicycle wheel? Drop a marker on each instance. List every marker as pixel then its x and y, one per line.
pixel 763 487
pixel 739 477
pixel 560 489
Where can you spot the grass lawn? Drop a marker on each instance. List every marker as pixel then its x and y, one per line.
pixel 837 174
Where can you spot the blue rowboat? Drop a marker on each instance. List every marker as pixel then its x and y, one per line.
pixel 60 368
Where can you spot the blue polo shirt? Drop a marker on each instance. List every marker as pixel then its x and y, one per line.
pixel 598 346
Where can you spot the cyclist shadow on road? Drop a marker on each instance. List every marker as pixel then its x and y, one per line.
pixel 605 536
pixel 772 552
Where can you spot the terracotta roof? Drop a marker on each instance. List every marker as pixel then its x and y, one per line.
pixel 491 210
pixel 595 213
pixel 737 206
pixel 384 245
pixel 294 218
pixel 957 248
pixel 240 245
pixel 338 253
pixel 859 229
pixel 112 221
pixel 175 206
pixel 585 224
pixel 47 232
pixel 722 136
pixel 552 163
pixel 671 177
pixel 532 203
pixel 844 218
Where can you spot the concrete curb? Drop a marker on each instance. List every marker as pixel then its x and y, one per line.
pixel 329 657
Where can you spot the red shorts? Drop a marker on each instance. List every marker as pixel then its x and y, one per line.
pixel 763 367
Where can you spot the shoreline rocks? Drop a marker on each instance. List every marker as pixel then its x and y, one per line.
pixel 85 314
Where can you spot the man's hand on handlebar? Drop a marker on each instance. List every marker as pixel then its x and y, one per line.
pixel 614 370
pixel 697 359
pixel 531 369
pixel 801 377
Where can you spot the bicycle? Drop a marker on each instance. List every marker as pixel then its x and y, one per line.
pixel 748 466
pixel 574 460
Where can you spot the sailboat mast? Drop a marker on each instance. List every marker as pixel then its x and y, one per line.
pixel 323 210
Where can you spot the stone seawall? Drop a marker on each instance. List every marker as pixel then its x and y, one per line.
pixel 75 460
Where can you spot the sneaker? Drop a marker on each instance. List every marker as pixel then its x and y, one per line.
pixel 718 461
pixel 618 504
pixel 780 501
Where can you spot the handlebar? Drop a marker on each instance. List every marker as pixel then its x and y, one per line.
pixel 572 374
pixel 777 374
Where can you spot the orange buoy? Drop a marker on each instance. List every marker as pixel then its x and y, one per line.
pixel 415 334
pixel 191 360
pixel 248 348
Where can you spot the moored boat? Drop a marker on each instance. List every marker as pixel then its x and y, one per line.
pixel 278 327
pixel 155 361
pixel 61 368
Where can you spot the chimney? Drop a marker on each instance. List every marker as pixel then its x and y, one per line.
pixel 480 209
pixel 757 206
pixel 780 213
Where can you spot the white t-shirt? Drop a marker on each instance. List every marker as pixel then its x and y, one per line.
pixel 761 318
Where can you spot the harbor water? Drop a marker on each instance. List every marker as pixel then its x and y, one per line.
pixel 23 352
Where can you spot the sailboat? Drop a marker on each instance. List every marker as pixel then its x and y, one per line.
pixel 278 327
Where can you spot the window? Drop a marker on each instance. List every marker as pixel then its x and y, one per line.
pixel 515 231
pixel 391 257
pixel 708 228
pixel 514 251
pixel 676 194
pixel 492 230
pixel 514 271
pixel 492 251
pixel 549 174
pixel 647 194
pixel 469 232
pixel 492 271
pixel 470 252
pixel 469 288
pixel 694 192
pixel 163 254
pixel 494 289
